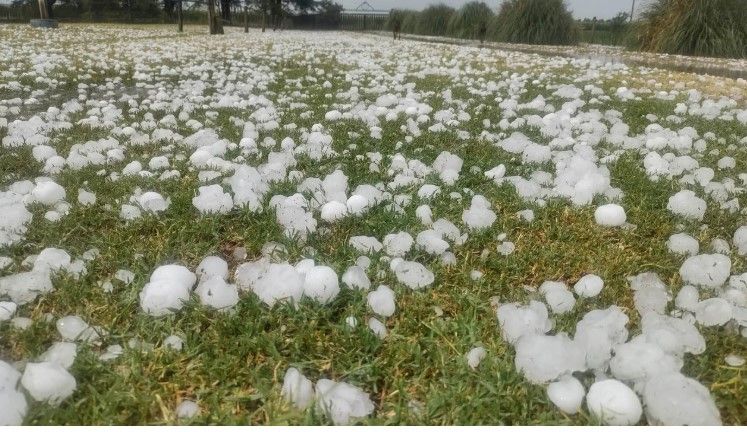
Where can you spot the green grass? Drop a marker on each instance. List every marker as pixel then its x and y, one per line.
pixel 233 364
pixel 713 28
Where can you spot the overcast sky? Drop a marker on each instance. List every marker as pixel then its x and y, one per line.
pixel 580 8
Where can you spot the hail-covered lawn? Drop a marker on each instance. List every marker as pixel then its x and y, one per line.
pixel 305 228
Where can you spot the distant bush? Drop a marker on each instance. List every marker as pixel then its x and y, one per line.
pixel 434 20
pixel 546 22
pixel 714 28
pixel 465 23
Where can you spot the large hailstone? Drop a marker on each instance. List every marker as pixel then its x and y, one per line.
pixel 297 389
pixel 381 301
pixel 675 400
pixel 567 394
pixel 355 278
pixel 516 320
pixel 706 270
pixel 341 402
pixel 686 204
pixel 414 275
pixel 321 284
pixel 589 285
pixel 610 215
pixel 475 356
pixel 48 382
pixel 543 358
pixel 217 293
pixel 613 403
pixel 169 288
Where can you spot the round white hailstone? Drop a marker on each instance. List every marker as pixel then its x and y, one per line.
pixel 567 394
pixel 613 403
pixel 86 198
pixel 398 244
pixel 706 270
pixel 363 262
pixel 52 259
pixel 414 275
pixel 333 211
pixel 506 248
pixel 14 406
pixel 740 240
pixel 713 312
pixel 212 199
pixel 357 204
pixel 72 327
pixel 212 266
pixel 216 293
pixel 62 353
pixel 734 360
pixel 475 356
pixel 675 400
pixel 351 321
pixel 47 193
pixel 355 278
pixel 173 342
pixel 177 274
pixel 152 202
pixel 321 284
pixel 448 258
pixel 542 358
pixel 381 301
pixel 297 389
pixel 588 286
pixel 277 282
pixel 341 402
pixel 394 262
pixel 475 275
pixel 687 299
pixel 719 245
pixel 305 265
pixel 683 244
pixel 517 320
pixel 187 409
pixel 48 382
pixel 424 213
pixel 431 242
pixel 611 215
pixel 163 297
pixel 557 297
pixel 7 310
pixel 686 204
pixel 638 360
pixel 377 327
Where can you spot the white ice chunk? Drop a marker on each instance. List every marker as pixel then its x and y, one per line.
pixel 297 389
pixel 341 402
pixel 381 301
pixel 613 403
pixel 48 382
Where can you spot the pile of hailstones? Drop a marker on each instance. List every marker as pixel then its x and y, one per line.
pixel 645 367
pixel 272 282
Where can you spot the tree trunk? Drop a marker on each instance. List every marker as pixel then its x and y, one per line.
pixel 43 9
pixel 225 10
pixel 179 16
pixel 214 24
pixel 246 19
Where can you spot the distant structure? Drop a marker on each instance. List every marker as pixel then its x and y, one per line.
pixel 364 17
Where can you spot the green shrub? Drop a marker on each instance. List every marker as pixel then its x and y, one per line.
pixel 546 22
pixel 434 20
pixel 465 23
pixel 715 28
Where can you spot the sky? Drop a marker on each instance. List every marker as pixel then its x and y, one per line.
pixel 601 9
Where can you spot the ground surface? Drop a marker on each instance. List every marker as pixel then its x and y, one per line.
pixel 369 95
